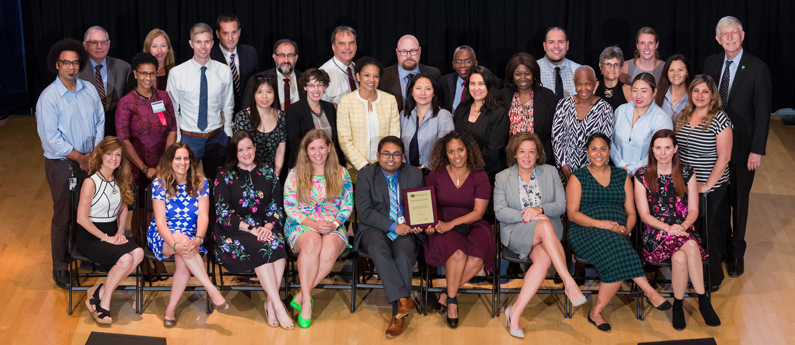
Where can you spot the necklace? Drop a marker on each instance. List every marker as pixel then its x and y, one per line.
pixel 142 96
pixel 113 183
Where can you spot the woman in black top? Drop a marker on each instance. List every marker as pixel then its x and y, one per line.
pixel 610 88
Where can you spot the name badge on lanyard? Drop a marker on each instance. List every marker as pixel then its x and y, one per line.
pixel 159 108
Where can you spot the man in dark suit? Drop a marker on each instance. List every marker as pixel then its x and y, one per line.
pixel 453 85
pixel 285 54
pixel 745 90
pixel 241 58
pixel 382 232
pixel 396 78
pixel 108 75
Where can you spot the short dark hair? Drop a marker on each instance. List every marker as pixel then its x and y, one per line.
pixel 565 34
pixel 226 18
pixel 231 151
pixel 517 140
pixel 342 28
pixel 411 103
pixel 319 75
pixel 66 44
pixel 365 61
pixel 595 136
pixel 393 140
pixel 522 59
pixel 143 59
pixel 283 41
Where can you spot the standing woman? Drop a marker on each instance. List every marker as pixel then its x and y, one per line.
pixel 180 198
pixel 158 44
pixel 318 199
pixel 531 107
pixel 636 123
pixel 365 116
pixel 674 82
pixel 423 121
pixel 103 200
pixel 266 123
pixel 610 88
pixel 482 116
pixel 647 58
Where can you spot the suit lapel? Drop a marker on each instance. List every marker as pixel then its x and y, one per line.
pixel 109 89
pixel 513 186
pixel 380 183
pixel 739 76
pixel 538 104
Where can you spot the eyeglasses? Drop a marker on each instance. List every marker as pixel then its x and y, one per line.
pixel 395 155
pixel 611 65
pixel 730 34
pixel 413 52
pixel 267 77
pixel 705 77
pixel 98 43
pixel 283 55
pixel 68 63
pixel 146 74
pixel 319 86
pixel 462 62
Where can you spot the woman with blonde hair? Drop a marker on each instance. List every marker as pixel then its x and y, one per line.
pixel 646 58
pixel 103 201
pixel 158 44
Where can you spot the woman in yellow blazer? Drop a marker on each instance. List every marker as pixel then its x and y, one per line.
pixel 364 116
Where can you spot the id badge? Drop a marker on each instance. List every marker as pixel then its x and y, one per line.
pixel 401 220
pixel 158 107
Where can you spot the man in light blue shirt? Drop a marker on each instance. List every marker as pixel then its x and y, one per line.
pixel 70 121
pixel 396 78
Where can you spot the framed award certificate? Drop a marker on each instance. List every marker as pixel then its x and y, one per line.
pixel 419 205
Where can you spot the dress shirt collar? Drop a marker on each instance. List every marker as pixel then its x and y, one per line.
pixel 226 52
pixel 282 77
pixel 736 59
pixel 342 66
pixel 563 65
pixel 459 81
pixel 197 66
pixel 378 92
pixel 404 73
pixel 62 89
pixel 104 63
pixel 388 176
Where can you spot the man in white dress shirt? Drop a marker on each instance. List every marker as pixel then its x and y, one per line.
pixel 202 92
pixel 340 67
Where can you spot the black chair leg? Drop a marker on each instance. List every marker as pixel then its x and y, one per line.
pixel 355 276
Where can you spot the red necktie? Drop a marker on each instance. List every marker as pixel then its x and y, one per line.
pixel 100 84
pixel 286 93
pixel 351 80
pixel 464 91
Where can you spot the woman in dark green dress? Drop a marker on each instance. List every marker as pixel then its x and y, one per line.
pixel 601 208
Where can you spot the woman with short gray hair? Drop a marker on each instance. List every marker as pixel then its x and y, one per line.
pixel 610 88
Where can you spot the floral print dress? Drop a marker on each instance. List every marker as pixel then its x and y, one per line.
pixel 253 197
pixel 669 208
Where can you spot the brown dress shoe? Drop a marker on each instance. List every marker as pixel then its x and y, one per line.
pixel 395 327
pixel 405 305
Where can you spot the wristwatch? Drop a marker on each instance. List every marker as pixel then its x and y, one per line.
pixel 251 228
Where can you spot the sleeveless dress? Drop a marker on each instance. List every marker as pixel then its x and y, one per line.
pixel 182 210
pixel 633 70
pixel 104 208
pixel 611 253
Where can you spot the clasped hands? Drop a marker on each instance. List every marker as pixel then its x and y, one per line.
pixel 613 226
pixel 188 248
pixel 676 230
pixel 263 233
pixel 117 239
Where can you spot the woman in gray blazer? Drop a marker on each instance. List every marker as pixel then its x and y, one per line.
pixel 528 201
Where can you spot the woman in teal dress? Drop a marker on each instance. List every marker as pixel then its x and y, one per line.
pixel 601 208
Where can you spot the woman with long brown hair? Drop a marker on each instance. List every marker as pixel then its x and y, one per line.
pixel 672 85
pixel 103 201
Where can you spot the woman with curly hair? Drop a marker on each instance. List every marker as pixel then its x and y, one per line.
pixel 103 201
pixel 462 241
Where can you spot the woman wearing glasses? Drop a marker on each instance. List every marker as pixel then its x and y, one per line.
pixel 610 88
pixel 265 122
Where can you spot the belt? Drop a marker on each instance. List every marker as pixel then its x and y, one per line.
pixel 202 135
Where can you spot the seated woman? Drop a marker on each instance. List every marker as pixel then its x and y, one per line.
pixel 265 122
pixel 668 208
pixel 601 208
pixel 635 124
pixel 528 201
pixel 423 121
pixel 248 230
pixel 180 198
pixel 462 241
pixel 672 85
pixel 103 199
pixel 318 199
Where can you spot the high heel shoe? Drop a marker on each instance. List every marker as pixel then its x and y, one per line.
pixel 451 322
pixel 271 322
pixel 441 308
pixel 578 302
pixel 289 324
pixel 518 333
pixel 663 306
pixel 604 327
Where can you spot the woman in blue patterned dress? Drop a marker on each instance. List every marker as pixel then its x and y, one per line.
pixel 180 198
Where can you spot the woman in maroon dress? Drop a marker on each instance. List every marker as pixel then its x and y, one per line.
pixel 462 241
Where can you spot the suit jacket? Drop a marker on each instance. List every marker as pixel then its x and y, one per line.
pixel 544 103
pixel 249 64
pixel 352 126
pixel 272 72
pixel 372 198
pixel 299 122
pixel 508 204
pixel 448 83
pixel 390 81
pixel 749 103
pixel 118 70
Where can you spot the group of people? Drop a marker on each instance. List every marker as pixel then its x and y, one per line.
pixel 282 150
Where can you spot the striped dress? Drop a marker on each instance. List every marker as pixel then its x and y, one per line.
pixel 569 133
pixel 699 148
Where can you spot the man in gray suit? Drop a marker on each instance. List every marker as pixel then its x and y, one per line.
pixel 108 75
pixel 382 232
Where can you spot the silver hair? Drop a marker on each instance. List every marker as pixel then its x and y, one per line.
pixel 465 47
pixel 612 52
pixel 726 22
pixel 91 31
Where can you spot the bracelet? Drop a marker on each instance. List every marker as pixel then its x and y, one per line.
pixel 337 223
pixel 106 238
pixel 146 172
pixel 174 249
pixel 202 237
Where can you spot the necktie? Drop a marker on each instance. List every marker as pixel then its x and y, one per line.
pixel 414 146
pixel 286 93
pixel 100 84
pixel 724 84
pixel 407 91
pixel 558 83
pixel 235 74
pixel 463 91
pixel 351 81
pixel 202 121
pixel 394 203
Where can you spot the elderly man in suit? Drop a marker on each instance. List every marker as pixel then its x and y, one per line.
pixel 108 75
pixel 745 91
pixel 454 85
pixel 382 232
pixel 285 54
pixel 396 78
pixel 241 58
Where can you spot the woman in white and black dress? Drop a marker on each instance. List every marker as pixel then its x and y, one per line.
pixel 103 201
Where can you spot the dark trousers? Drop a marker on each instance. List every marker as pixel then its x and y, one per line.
pixel 740 182
pixel 58 173
pixel 211 151
pixel 717 203
pixel 394 261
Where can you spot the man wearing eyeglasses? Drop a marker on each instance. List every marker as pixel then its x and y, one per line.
pixel 454 85
pixel 108 75
pixel 285 54
pixel 396 78
pixel 241 59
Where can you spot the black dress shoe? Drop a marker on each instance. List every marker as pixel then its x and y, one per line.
pixel 451 322
pixel 604 327
pixel 61 278
pixel 440 308
pixel 714 288
pixel 735 268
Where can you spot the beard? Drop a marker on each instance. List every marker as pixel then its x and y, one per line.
pixel 409 65
pixel 286 71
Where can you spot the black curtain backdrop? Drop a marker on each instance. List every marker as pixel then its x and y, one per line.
pixel 495 29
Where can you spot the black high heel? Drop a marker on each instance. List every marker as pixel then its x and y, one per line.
pixel 451 322
pixel 441 308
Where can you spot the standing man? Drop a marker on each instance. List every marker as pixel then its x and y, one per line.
pixel 340 67
pixel 108 75
pixel 241 59
pixel 70 120
pixel 396 78
pixel 745 91
pixel 285 54
pixel 557 72
pixel 382 232
pixel 454 85
pixel 201 90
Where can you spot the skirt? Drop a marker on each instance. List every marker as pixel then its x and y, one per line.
pixel 480 243
pixel 103 253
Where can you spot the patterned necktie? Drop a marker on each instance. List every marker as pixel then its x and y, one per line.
pixel 100 84
pixel 351 81
pixel 235 74
pixel 286 93
pixel 202 121
pixel 463 91
pixel 558 83
pixel 394 203
pixel 724 84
